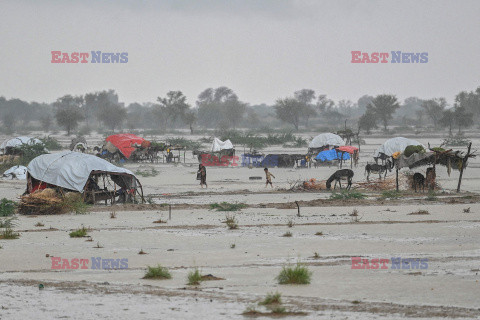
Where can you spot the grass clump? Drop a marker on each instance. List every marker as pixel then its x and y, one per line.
pixel 7 207
pixel 278 310
pixel 319 233
pixel 287 234
pixel 9 234
pixel 231 222
pixel 294 275
pixel 7 222
pixel 226 206
pixel 147 172
pixel 157 272
pixel 194 277
pixel 316 255
pixel 432 196
pixel 271 298
pixel 51 143
pixel 290 223
pixel 391 194
pixel 39 224
pixel 419 212
pixel 79 233
pixel 73 202
pixel 347 194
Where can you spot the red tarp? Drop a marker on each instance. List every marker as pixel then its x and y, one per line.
pixel 124 142
pixel 349 149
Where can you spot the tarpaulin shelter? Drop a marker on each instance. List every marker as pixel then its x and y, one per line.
pixel 17 142
pixel 348 149
pixel 219 145
pixel 74 171
pixel 279 160
pixel 16 172
pixel 126 143
pixel 330 155
pixel 326 139
pixel 398 144
pixel 254 160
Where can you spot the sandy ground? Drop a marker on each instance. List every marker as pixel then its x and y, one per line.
pixel 198 237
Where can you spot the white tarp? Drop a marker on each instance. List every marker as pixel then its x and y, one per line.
pixel 18 141
pixel 218 145
pixel 69 169
pixel 397 144
pixel 325 139
pixel 16 172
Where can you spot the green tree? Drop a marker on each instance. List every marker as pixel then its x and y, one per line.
pixel 289 110
pixel 463 118
pixel 112 114
pixel 367 121
pixel 220 107
pixel 306 97
pixel 434 109
pixel 448 120
pixel 69 112
pixel 174 105
pixel 384 106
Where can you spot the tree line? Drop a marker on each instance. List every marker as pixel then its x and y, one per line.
pixel 221 108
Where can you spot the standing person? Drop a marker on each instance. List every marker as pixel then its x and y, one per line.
pixel 269 176
pixel 202 174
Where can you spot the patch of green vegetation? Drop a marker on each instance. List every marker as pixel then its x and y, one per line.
pixel 7 207
pixel 157 272
pixel 9 234
pixel 194 277
pixel 79 233
pixel 432 196
pixel 51 143
pixel 226 206
pixel 231 222
pixel 271 298
pixel 7 222
pixel 294 275
pixel 347 194
pixel 419 212
pixel 278 310
pixel 391 194
pixel 29 152
pixel 73 202
pixel 147 172
pixel 287 234
pixel 184 143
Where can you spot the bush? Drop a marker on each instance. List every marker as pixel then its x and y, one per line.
pixel 226 206
pixel 79 233
pixel 297 275
pixel 157 272
pixel 409 150
pixel 8 234
pixel 184 143
pixel 231 222
pixel 194 277
pixel 7 207
pixel 347 194
pixel 51 143
pixel 271 298
pixel 73 202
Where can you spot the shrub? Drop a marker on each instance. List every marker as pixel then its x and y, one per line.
pixel 231 222
pixel 287 234
pixel 194 277
pixel 7 222
pixel 147 172
pixel 73 202
pixel 296 275
pixel 8 234
pixel 79 233
pixel 431 196
pixel 7 207
pixel 347 194
pixel 51 143
pixel 271 298
pixel 226 206
pixel 157 272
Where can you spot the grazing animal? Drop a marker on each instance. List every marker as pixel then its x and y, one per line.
pixel 430 177
pixel 337 176
pixel 378 168
pixel 418 180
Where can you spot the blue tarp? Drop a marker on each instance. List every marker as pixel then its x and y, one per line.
pixel 329 155
pixel 270 160
pixel 252 159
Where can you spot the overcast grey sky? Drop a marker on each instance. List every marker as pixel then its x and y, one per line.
pixel 262 49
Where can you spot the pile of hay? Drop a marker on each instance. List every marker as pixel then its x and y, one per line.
pixel 378 185
pixel 41 202
pixel 313 184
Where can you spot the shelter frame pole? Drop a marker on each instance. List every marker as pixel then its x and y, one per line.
pixel 396 179
pixel 464 161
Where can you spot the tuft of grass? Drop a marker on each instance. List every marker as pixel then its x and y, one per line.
pixel 226 206
pixel 251 311
pixel 231 222
pixel 194 277
pixel 432 196
pixel 75 203
pixel 142 252
pixel 147 172
pixel 7 222
pixel 157 272
pixel 319 233
pixel 346 195
pixel 294 275
pixel 391 194
pixel 7 207
pixel 316 255
pixel 355 302
pixel 9 234
pixel 271 298
pixel 160 221
pixel 232 246
pixel 466 210
pixel 354 213
pixel 287 234
pixel 39 224
pixel 79 233
pixel 419 212
pixel 113 215
pixel 278 310
pixel 290 223
pixel 98 246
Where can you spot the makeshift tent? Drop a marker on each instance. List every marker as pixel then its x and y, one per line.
pixel 398 144
pixel 279 160
pixel 18 142
pixel 349 149
pixel 78 144
pixel 252 159
pixel 72 170
pixel 219 145
pixel 126 143
pixel 16 172
pixel 326 139
pixel 330 155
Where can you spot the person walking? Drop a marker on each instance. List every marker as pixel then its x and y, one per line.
pixel 269 176
pixel 202 175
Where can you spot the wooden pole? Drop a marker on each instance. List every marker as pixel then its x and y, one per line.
pixel 396 179
pixel 464 162
pixel 298 209
pixel 169 212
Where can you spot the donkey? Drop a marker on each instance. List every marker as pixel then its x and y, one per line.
pixel 337 176
pixel 418 179
pixel 378 168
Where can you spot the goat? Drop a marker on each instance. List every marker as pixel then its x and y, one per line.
pixel 337 176
pixel 378 168
pixel 418 179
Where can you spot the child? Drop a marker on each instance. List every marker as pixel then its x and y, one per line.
pixel 269 178
pixel 202 174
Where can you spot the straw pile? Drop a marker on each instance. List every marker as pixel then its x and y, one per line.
pixel 41 202
pixel 313 184
pixel 378 185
